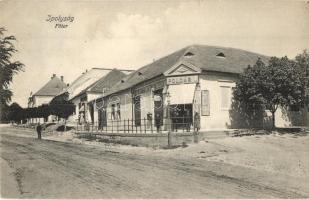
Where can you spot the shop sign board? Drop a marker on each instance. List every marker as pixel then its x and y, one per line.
pixel 177 80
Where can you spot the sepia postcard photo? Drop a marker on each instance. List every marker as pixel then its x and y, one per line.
pixel 154 99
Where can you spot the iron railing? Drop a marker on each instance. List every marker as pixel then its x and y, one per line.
pixel 144 126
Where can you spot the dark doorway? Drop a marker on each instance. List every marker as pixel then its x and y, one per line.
pixel 158 105
pixel 102 118
pixel 181 117
pixel 91 110
pixel 137 110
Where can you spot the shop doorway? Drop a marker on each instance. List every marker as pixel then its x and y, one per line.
pixel 181 117
pixel 158 106
pixel 137 110
pixel 102 118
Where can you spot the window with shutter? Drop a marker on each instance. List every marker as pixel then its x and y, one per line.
pixel 225 97
pixel 205 103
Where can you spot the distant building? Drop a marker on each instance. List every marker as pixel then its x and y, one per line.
pixel 44 95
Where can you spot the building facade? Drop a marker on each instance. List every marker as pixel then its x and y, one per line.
pixel 196 80
pixel 193 84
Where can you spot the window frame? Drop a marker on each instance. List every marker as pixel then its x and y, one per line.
pixel 229 97
pixel 203 104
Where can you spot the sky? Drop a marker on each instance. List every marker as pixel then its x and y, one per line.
pixel 130 34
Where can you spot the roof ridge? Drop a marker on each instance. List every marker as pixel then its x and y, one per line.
pixel 227 47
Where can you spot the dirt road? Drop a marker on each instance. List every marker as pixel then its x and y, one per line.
pixel 32 168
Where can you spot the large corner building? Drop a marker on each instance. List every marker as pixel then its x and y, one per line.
pixel 196 79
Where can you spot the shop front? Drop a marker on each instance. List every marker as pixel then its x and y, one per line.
pixel 181 92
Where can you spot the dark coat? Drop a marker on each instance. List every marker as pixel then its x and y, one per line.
pixel 158 120
pixel 39 128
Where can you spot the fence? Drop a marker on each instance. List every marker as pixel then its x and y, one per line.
pixel 142 126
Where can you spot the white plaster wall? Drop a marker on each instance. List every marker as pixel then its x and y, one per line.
pixel 39 100
pixel 74 117
pixel 125 100
pixel 147 105
pixel 219 118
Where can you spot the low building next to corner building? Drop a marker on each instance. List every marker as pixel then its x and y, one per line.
pixel 92 92
pixel 196 80
pixel 86 88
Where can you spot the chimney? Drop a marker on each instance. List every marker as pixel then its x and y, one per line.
pixel 61 77
pixel 54 75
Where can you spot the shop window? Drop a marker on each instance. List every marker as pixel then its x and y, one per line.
pixel 205 103
pixel 225 97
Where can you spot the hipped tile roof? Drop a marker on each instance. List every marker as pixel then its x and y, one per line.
pixel 207 58
pixel 51 88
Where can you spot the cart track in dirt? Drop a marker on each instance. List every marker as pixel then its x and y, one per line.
pixel 50 169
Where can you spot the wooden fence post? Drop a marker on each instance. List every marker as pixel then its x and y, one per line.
pixel 132 125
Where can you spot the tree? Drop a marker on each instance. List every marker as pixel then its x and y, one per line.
pixel 8 69
pixel 302 63
pixel 44 111
pixel 15 112
pixel 269 86
pixel 62 109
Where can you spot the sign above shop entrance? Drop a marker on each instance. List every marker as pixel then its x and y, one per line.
pixel 177 80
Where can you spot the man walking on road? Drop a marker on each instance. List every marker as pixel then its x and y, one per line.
pixel 39 130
